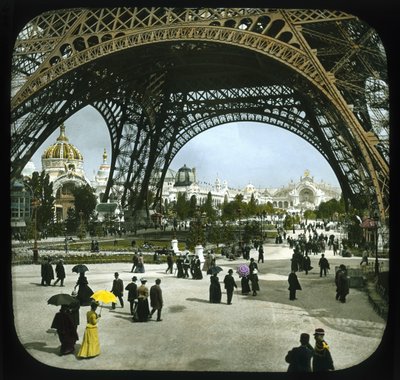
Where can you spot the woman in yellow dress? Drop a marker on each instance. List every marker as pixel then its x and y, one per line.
pixel 91 345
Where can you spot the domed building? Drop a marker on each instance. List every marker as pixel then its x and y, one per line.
pixel 185 177
pixel 63 162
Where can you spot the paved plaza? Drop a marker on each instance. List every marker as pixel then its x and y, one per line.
pixel 252 335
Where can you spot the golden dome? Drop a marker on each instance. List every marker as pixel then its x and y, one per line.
pixel 62 149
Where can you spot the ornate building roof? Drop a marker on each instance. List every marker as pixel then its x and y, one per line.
pixel 185 176
pixel 62 149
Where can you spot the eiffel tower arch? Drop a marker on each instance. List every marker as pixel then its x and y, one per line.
pixel 161 76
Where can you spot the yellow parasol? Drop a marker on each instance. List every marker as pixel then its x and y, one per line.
pixel 103 296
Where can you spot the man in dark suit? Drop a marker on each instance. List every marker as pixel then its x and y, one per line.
pixel 118 289
pixel 132 295
pixel 156 299
pixel 299 358
pixel 230 284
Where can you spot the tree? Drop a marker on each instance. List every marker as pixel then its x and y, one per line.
pixel 85 201
pixel 208 208
pixel 326 210
pixel 252 207
pixel 182 206
pixel 72 221
pixel 42 190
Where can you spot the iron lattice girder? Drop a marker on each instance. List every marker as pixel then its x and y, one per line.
pixel 73 38
pixel 212 108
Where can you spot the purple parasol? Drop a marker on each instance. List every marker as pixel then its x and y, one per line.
pixel 243 270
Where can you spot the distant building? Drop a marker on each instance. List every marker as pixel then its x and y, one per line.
pixel 64 164
pixel 294 197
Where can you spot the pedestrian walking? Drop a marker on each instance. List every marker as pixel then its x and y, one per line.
pixel 260 254
pixel 135 260
pixel 307 263
pixel 255 287
pixel 60 273
pixel 294 285
pixel 323 265
pixel 342 283
pixel 143 309
pixel 140 264
pixel 230 285
pixel 118 289
pixel 170 263
pixel 156 299
pixel 179 267
pixel 66 330
pixel 215 289
pixel 244 282
pixel 207 263
pixel 91 345
pixel 74 309
pixel 322 359
pixel 197 274
pixel 186 266
pixel 299 358
pixel 132 295
pixel 84 291
pixel 47 272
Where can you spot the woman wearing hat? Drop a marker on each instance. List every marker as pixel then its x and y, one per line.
pixel 143 309
pixel 322 359
pixel 60 273
pixel 90 344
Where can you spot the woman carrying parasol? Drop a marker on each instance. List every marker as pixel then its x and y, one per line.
pixel 66 330
pixel 84 291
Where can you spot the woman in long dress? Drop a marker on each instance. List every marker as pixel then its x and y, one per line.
pixel 84 291
pixel 215 289
pixel 245 285
pixel 90 344
pixel 66 330
pixel 143 309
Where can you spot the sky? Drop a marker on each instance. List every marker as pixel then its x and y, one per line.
pixel 240 153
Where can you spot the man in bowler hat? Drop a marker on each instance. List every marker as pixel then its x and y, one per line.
pixel 118 289
pixel 230 284
pixel 132 295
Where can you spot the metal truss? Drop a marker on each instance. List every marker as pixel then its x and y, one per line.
pixel 161 76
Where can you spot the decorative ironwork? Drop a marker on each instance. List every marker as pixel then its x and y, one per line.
pixel 160 76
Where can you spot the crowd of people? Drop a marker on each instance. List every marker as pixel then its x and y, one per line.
pixel 144 302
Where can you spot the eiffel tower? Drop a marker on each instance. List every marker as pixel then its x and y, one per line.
pixel 161 76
